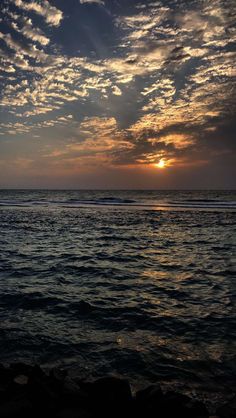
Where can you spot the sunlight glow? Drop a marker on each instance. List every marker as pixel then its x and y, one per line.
pixel 161 163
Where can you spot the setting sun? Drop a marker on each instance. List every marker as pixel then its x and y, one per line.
pixel 161 164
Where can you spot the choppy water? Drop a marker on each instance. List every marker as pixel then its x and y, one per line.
pixel 134 283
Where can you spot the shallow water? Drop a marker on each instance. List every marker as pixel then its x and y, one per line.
pixel 134 283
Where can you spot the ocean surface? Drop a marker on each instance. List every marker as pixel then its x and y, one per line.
pixel 134 283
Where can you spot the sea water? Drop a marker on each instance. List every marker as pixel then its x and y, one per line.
pixel 133 283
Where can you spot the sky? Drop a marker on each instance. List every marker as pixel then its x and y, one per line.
pixel 117 94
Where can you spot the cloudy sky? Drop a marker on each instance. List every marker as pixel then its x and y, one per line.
pixel 117 94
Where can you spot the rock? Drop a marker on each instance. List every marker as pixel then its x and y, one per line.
pixel 20 369
pixel 196 409
pixel 227 410
pixel 43 391
pixel 181 405
pixel 151 394
pixel 73 413
pixel 5 380
pixel 28 392
pixel 72 393
pixel 16 388
pixel 58 374
pixel 151 402
pixel 16 408
pixel 70 386
pixel 6 376
pixel 110 396
pixel 147 400
pixel 21 379
pixel 37 372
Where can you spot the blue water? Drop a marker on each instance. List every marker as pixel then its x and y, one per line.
pixel 139 284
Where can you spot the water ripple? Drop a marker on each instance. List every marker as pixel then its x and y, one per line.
pixel 146 293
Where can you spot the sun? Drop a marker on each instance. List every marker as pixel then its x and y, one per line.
pixel 161 163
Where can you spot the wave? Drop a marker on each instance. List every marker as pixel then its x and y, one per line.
pixel 106 200
pixel 129 203
pixel 203 203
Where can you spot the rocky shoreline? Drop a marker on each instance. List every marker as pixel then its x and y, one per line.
pixel 28 391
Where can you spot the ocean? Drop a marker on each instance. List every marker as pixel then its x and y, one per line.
pixel 133 283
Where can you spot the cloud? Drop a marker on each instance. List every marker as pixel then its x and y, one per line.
pixel 102 3
pixel 58 80
pixel 100 138
pixel 7 68
pixel 52 15
pixel 116 91
pixel 164 89
pixel 23 128
pixel 25 50
pixel 30 32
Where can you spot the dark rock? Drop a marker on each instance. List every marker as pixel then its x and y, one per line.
pixel 37 372
pixel 152 402
pixel 70 386
pixel 178 404
pixel 28 392
pixel 148 400
pixel 227 410
pixel 110 396
pixel 58 374
pixel 151 394
pixel 20 369
pixel 196 409
pixel 5 381
pixel 73 413
pixel 21 379
pixel 15 388
pixel 43 391
pixel 6 376
pixel 72 393
pixel 16 408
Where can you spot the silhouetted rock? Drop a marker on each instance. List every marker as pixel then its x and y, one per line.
pixel 110 396
pixel 43 391
pixel 227 410
pixel 72 394
pixel 29 392
pixel 73 413
pixel 151 394
pixel 182 405
pixel 152 402
pixel 21 369
pixel 21 379
pixel 148 400
pixel 58 374
pixel 16 408
pixel 6 376
pixel 196 409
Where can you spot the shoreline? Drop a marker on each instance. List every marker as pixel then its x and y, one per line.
pixel 31 391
